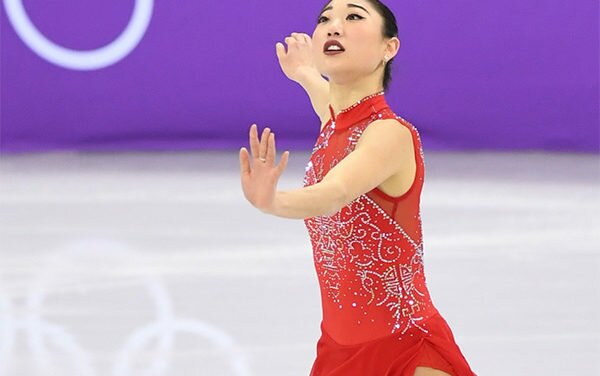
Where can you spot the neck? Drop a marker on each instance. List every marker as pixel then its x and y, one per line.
pixel 344 95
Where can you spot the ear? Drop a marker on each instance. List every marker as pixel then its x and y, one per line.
pixel 392 47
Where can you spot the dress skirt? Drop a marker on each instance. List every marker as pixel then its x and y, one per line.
pixel 393 355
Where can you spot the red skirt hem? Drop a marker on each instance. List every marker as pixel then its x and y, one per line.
pixel 393 355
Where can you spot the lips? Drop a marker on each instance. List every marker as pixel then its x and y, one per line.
pixel 330 43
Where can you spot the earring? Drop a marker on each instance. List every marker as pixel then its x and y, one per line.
pixel 385 59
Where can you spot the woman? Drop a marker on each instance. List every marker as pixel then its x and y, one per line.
pixel 360 201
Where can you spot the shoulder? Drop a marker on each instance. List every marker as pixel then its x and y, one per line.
pixel 387 132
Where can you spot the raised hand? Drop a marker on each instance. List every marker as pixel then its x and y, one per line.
pixel 298 65
pixel 259 174
pixel 297 62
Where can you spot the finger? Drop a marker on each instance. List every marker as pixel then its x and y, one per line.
pixel 307 38
pixel 280 50
pixel 244 163
pixel 298 37
pixel 291 41
pixel 283 162
pixel 271 150
pixel 264 143
pixel 254 145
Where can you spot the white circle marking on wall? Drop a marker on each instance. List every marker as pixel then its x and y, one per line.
pixel 77 59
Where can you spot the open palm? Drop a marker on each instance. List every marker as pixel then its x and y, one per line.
pixel 259 174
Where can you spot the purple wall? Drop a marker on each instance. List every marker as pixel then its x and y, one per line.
pixel 470 75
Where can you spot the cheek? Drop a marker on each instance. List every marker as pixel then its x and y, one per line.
pixel 366 51
pixel 317 46
pixel 365 41
pixel 316 41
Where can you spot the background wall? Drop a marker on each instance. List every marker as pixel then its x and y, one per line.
pixel 154 263
pixel 194 75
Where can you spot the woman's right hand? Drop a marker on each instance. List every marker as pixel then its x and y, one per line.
pixel 297 63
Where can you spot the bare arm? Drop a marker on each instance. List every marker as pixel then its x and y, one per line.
pixel 382 151
pixel 323 198
pixel 297 64
pixel 317 89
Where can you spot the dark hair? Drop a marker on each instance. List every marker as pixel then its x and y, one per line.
pixel 390 30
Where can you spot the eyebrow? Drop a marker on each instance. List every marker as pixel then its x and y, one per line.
pixel 349 6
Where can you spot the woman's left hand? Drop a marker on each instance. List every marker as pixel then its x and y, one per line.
pixel 259 177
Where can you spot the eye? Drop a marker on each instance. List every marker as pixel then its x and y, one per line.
pixel 323 18
pixel 356 17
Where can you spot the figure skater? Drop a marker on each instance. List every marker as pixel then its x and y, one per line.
pixel 360 201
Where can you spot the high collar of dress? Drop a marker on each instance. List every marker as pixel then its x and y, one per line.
pixel 360 110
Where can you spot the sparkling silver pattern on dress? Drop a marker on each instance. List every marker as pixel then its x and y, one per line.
pixel 363 246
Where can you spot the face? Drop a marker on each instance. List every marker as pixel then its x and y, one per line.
pixel 359 29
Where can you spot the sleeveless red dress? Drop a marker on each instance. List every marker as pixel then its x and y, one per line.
pixel 378 317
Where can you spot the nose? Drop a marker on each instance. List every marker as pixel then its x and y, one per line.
pixel 334 26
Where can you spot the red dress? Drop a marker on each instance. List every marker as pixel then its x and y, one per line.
pixel 378 317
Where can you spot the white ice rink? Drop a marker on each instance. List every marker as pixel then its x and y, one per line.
pixel 134 264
